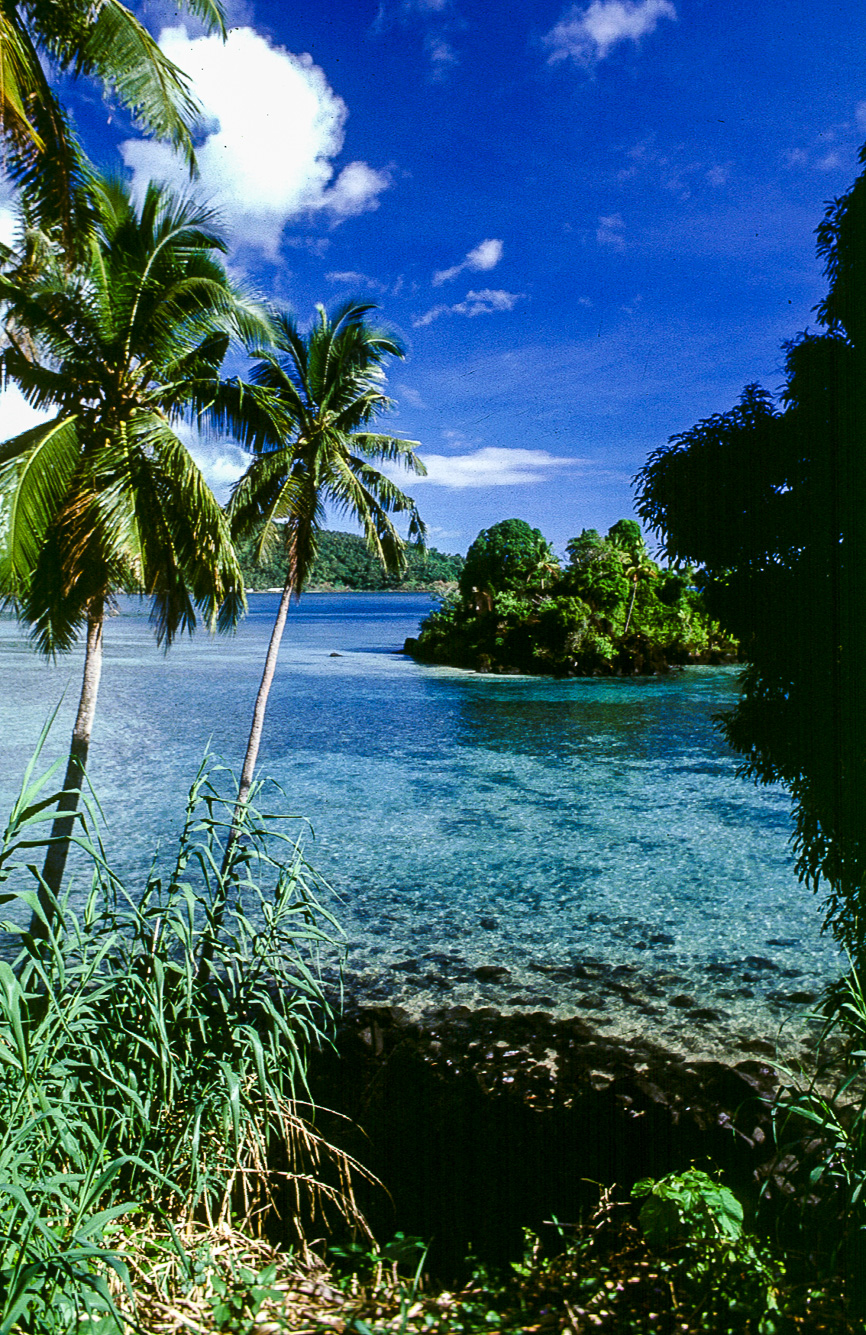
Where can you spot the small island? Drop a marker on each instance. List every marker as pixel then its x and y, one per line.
pixel 611 611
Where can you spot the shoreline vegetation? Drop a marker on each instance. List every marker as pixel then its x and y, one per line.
pixel 611 611
pixel 212 1121
pixel 344 564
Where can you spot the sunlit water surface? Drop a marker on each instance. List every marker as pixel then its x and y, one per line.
pixel 585 844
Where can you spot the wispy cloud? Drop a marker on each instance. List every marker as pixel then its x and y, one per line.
pixel 485 256
pixel 610 231
pixel 834 147
pixel 411 396
pixel 351 278
pixel 440 19
pixel 442 56
pixel 718 176
pixel 492 466
pixel 825 161
pixel 273 126
pixel 476 303
pixel 587 35
pixel 668 168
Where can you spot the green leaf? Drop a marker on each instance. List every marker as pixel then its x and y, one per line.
pixel 35 471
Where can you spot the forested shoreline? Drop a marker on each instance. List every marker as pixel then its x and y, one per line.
pixel 344 562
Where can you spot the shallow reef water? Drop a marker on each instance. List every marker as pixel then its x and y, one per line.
pixel 577 847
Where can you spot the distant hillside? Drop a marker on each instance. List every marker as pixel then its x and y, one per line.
pixel 343 562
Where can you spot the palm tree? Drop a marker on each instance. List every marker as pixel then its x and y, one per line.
pixel 104 497
pixel 99 39
pixel 638 568
pixel 325 388
pixel 626 537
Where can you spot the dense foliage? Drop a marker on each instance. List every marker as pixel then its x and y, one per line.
pixel 344 561
pixel 769 501
pixel 611 610
pixel 510 555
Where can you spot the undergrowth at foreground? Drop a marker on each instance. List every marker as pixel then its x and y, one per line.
pixel 681 1266
pixel 153 1052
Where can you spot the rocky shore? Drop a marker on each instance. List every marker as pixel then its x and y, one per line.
pixel 737 1009
pixel 482 1123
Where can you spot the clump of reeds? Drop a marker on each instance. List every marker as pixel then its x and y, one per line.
pixel 153 1056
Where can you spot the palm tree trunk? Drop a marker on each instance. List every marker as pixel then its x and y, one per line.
pixel 258 723
pixel 67 806
pixel 630 607
pixel 256 729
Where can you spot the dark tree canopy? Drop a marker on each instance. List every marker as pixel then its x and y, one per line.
pixel 626 535
pixel 507 556
pixel 769 501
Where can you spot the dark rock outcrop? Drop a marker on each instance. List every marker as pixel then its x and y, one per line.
pixel 480 1124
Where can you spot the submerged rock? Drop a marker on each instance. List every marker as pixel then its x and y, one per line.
pixel 492 973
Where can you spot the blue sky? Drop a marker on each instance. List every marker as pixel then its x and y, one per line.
pixel 592 224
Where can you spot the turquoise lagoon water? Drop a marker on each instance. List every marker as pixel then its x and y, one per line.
pixel 585 844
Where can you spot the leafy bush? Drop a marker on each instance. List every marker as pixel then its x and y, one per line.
pixel 726 1280
pixel 508 556
pixel 834 1102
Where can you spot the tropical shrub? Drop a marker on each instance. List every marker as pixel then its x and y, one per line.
pixel 726 1280
pixel 833 1102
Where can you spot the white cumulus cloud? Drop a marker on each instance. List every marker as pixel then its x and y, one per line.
pixel 485 256
pixel 589 34
pixel 8 225
pixel 476 303
pixel 272 126
pixel 492 466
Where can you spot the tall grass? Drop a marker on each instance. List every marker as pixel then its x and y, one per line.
pixel 153 1052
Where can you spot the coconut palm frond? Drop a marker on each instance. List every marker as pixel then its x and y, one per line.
pixel 253 415
pixel 187 556
pixel 35 471
pixel 121 52
pixel 390 449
